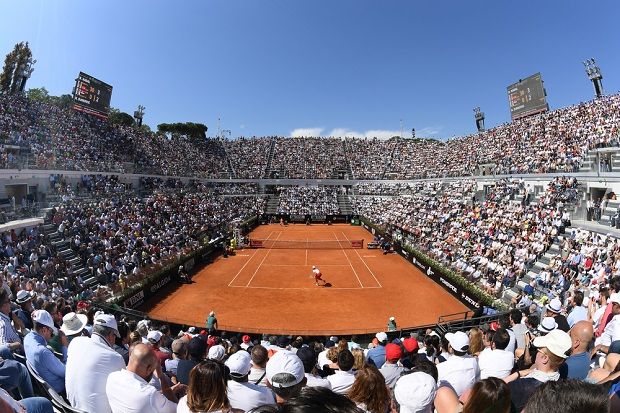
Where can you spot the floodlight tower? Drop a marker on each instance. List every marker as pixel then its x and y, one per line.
pixel 138 115
pixel 479 116
pixel 594 74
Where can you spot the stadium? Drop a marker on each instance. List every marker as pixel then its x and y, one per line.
pixel 177 268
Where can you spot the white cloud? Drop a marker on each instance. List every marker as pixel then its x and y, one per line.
pixel 426 132
pixel 306 132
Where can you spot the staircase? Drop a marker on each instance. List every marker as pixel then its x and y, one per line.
pixel 63 249
pixel 589 163
pixel 231 170
pixel 609 211
pixel 269 171
pixel 345 205
pixel 389 162
pixel 532 273
pixel 348 168
pixel 273 201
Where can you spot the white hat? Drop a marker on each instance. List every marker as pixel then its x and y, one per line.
pixel 392 319
pixel 284 369
pixel 381 337
pixel 23 296
pixel 459 341
pixel 614 298
pixel 239 363
pixel 415 392
pixel 558 342
pixel 73 323
pixel 106 320
pixel 154 336
pixel 547 325
pixel 555 306
pixel 44 318
pixel 313 267
pixel 334 339
pixel 217 352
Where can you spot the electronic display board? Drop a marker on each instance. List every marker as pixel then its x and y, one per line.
pixel 527 97
pixel 92 96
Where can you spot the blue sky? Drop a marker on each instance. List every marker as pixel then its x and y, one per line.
pixel 284 67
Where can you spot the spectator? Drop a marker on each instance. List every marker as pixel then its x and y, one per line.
pixel 30 404
pixel 285 374
pixel 461 370
pixel 259 357
pixel 179 352
pixel 207 390
pixel 196 349
pixel 578 312
pixel 495 361
pixel 376 355
pixel 10 341
pixel 129 389
pixel 89 363
pixel 369 391
pixel 577 366
pixel 570 396
pixel 392 369
pixel 343 378
pixel 490 395
pixel 42 360
pixel 155 338
pixel 312 400
pixel 241 394
pixel 309 359
pixel 415 392
pixel 552 350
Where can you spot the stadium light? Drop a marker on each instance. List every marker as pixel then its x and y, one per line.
pixel 594 74
pixel 139 114
pixel 479 117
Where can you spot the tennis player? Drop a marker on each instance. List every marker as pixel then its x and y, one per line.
pixel 317 275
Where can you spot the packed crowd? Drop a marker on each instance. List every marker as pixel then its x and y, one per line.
pixel 302 200
pixel 529 360
pixel 556 141
pixel 493 242
pixel 309 157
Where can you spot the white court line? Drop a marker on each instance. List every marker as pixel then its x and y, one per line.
pixel 306 251
pixel 299 265
pixel 347 257
pixel 246 263
pixel 261 263
pixel 358 254
pixel 305 288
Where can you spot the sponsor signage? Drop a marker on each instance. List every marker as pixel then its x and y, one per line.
pixel 457 291
pixel 135 300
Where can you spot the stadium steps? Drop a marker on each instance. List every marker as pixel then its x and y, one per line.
pixel 273 201
pixel 388 164
pixel 344 204
pixel 272 150
pixel 609 211
pixel 231 171
pixel 588 164
pixel 348 168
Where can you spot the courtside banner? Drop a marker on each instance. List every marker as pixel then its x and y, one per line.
pixel 255 243
pixel 456 290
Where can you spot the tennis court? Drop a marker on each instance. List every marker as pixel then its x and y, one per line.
pixel 272 289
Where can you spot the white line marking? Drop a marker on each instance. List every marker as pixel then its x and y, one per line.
pixel 300 265
pixel 358 254
pixel 306 252
pixel 369 256
pixel 347 257
pixel 246 263
pixel 242 255
pixel 305 288
pixel 261 263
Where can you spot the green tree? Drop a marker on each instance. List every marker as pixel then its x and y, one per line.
pixel 18 65
pixel 6 77
pixel 188 129
pixel 117 117
pixel 39 94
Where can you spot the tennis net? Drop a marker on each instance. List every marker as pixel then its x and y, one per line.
pixel 330 244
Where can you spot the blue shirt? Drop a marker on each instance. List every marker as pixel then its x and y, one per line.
pixel 578 366
pixel 577 314
pixel 376 356
pixel 44 362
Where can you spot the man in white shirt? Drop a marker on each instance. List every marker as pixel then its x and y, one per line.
pixel 308 358
pixel 496 361
pixel 342 380
pixel 612 329
pixel 242 394
pixel 129 390
pixel 579 312
pixel 89 363
pixel 461 370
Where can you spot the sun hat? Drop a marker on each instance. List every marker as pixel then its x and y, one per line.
pixel 73 323
pixel 547 325
pixel 555 306
pixel 23 296
pixel 44 318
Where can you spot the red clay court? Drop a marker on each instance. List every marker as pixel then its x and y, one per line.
pixel 273 290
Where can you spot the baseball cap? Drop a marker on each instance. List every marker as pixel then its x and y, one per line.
pixel 284 369
pixel 245 339
pixel 307 356
pixel 459 341
pixel 197 348
pixel 411 344
pixel 555 306
pixel 557 341
pixel 547 325
pixel 283 341
pixel 217 352
pixel 415 392
pixel 614 298
pixel 393 352
pixel 44 318
pixel 178 345
pixel 106 320
pixel 154 336
pixel 73 323
pixel 334 339
pixel 239 363
pixel 381 336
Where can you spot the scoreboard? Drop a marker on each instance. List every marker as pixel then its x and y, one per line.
pixel 527 97
pixel 92 96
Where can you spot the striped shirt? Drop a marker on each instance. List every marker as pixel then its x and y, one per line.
pixel 8 334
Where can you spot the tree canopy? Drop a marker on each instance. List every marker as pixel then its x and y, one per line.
pixel 17 68
pixel 189 129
